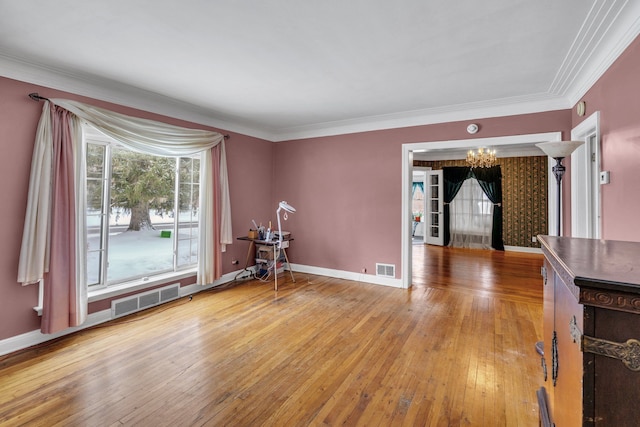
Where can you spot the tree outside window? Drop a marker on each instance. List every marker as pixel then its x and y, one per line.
pixel 145 221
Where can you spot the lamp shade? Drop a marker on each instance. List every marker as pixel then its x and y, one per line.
pixel 559 149
pixel 286 206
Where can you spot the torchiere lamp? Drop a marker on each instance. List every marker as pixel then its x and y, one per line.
pixel 559 150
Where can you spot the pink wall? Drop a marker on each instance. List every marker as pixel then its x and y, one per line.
pixel 347 188
pixel 250 173
pixel 617 96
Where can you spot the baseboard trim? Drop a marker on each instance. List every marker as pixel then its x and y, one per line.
pixel 523 249
pixel 347 275
pixel 30 339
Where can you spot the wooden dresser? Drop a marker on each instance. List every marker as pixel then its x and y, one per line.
pixel 591 332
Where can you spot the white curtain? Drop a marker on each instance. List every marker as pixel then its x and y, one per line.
pixel 471 217
pixel 34 252
pixel 79 161
pixel 138 134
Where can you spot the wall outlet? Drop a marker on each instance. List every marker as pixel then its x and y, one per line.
pixel 534 239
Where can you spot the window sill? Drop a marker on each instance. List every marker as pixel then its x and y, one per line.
pixel 129 287
pixel 138 285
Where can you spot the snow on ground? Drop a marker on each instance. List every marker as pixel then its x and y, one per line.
pixel 134 254
pixel 139 253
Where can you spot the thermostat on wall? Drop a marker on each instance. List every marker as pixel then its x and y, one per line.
pixel 604 177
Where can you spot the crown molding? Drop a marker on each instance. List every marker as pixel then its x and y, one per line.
pixel 472 111
pixel 119 93
pixel 608 30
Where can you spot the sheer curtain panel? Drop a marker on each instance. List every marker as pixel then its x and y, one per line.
pixel 452 178
pixel 471 217
pixel 55 216
pixel 490 180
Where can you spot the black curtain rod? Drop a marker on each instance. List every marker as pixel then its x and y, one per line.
pixel 38 98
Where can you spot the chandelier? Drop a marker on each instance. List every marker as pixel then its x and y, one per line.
pixel 481 158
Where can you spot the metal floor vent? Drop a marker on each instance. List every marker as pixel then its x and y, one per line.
pixel 131 304
pixel 386 270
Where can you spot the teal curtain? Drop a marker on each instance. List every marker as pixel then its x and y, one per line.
pixel 419 185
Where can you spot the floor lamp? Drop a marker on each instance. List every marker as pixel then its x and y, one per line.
pixel 557 150
pixel 287 208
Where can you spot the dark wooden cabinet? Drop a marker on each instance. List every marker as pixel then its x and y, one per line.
pixel 591 332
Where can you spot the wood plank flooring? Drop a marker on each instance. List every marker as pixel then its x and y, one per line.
pixel 455 350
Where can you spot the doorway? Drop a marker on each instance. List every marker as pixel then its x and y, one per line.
pixel 457 149
pixel 418 205
pixel 585 179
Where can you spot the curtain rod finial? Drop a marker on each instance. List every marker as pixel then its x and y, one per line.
pixel 37 97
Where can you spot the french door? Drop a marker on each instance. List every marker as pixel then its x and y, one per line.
pixel 433 194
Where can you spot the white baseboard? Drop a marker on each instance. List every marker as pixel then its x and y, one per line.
pixel 348 275
pixel 36 337
pixel 523 249
pixel 29 339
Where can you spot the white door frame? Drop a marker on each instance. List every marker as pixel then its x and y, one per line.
pixel 585 175
pixel 407 180
pixel 423 171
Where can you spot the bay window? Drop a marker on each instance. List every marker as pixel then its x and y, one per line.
pixel 142 213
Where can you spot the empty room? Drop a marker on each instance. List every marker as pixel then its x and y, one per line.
pixel 320 213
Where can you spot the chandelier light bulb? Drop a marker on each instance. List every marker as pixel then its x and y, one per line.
pixel 481 158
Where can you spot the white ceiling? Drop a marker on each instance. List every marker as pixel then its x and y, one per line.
pixel 281 69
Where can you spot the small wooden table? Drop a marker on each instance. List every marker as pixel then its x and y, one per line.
pixel 274 244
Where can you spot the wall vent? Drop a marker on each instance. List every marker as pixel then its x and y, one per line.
pixel 385 270
pixel 131 304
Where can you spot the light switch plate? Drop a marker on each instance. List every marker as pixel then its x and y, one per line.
pixel 604 177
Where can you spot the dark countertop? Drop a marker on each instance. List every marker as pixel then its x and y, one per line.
pixel 594 263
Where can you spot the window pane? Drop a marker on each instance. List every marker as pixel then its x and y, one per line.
pixel 94 249
pixel 434 192
pixel 142 215
pixel 95 160
pixel 189 170
pixel 95 156
pixel 189 199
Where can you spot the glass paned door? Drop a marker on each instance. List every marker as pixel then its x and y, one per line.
pixel 433 235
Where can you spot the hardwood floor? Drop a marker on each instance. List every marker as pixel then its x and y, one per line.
pixel 456 349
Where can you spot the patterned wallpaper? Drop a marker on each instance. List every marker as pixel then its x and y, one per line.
pixel 524 196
